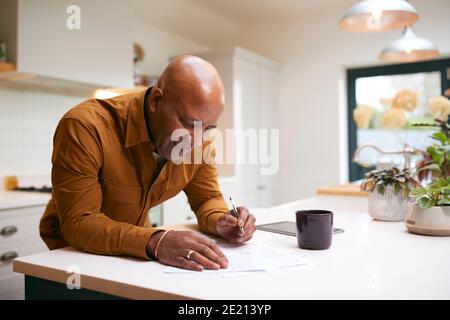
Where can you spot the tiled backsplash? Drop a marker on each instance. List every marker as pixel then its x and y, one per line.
pixel 28 118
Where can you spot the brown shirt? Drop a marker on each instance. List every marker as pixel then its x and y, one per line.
pixel 105 179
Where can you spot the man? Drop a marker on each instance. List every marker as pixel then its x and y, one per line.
pixel 112 162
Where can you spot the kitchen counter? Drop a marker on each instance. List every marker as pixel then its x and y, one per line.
pixel 370 260
pixel 20 199
pixel 347 189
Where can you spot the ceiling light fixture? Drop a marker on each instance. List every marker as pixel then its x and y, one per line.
pixel 378 16
pixel 409 48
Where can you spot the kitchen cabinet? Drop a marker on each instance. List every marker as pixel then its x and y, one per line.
pixel 19 236
pixel 252 93
pixel 178 211
pixel 43 40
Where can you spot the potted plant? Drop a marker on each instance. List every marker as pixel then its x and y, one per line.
pixel 437 158
pixel 430 215
pixel 389 193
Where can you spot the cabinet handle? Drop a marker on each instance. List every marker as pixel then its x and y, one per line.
pixel 188 218
pixel 8 256
pixel 8 230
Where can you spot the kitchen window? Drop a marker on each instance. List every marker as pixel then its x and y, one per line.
pixel 390 102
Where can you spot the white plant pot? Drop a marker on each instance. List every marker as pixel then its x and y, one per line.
pixel 434 221
pixel 389 206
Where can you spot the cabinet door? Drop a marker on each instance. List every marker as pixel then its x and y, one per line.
pixel 177 211
pixel 269 156
pixel 246 106
pixel 19 236
pixel 99 52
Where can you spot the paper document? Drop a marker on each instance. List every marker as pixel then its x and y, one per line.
pixel 250 257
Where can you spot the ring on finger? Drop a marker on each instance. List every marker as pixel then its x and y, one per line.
pixel 189 254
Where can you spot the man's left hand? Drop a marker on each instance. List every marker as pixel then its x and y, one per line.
pixel 228 226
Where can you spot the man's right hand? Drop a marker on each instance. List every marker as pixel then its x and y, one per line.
pixel 176 245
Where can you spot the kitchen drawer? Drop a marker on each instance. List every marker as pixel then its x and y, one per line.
pixel 19 224
pixel 12 245
pixel 12 287
pixel 21 249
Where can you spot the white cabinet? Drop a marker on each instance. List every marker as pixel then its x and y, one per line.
pixel 177 211
pixel 43 39
pixel 19 236
pixel 251 85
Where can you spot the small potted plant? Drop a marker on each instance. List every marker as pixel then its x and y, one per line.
pixel 389 193
pixel 431 213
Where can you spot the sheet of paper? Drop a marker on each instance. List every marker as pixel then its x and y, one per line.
pixel 250 257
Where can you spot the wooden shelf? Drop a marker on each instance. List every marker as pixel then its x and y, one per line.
pixel 349 189
pixel 7 67
pixel 9 76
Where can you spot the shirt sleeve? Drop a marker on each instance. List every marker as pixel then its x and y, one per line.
pixel 205 198
pixel 77 161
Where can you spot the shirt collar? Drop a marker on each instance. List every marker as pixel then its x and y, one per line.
pixel 136 131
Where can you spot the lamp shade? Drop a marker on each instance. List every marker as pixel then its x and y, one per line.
pixel 409 48
pixel 378 16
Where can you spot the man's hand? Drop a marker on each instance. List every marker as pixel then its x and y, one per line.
pixel 228 226
pixel 176 245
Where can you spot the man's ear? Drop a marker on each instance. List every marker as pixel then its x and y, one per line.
pixel 155 97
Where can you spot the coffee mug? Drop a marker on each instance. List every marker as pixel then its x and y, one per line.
pixel 314 229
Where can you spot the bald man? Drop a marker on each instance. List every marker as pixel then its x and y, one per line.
pixel 113 161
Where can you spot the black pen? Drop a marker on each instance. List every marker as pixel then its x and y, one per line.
pixel 236 214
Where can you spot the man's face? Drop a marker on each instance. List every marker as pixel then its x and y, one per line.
pixel 188 117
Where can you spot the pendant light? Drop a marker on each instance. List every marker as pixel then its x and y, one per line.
pixel 378 16
pixel 409 48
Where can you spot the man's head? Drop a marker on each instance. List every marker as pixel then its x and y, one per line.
pixel 189 90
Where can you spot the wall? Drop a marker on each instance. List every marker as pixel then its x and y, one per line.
pixel 28 118
pixel 29 115
pixel 314 53
pixel 160 45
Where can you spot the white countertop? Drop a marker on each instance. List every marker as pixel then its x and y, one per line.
pixel 19 199
pixel 370 260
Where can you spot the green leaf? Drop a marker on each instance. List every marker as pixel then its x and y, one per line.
pixel 440 136
pixel 431 166
pixel 396 187
pixel 425 202
pixel 418 192
pixel 406 192
pixel 440 183
pixel 381 189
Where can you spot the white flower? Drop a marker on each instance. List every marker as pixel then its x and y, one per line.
pixel 394 119
pixel 405 100
pixel 362 116
pixel 439 107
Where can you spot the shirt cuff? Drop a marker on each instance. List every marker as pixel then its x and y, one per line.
pixel 211 223
pixel 136 246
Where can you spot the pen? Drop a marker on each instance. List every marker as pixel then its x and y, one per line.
pixel 236 214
